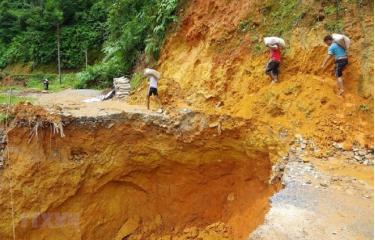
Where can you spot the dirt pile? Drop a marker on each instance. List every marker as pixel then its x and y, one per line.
pixel 214 62
pixel 136 176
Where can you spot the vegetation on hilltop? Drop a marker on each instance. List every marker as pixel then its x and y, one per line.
pixel 113 32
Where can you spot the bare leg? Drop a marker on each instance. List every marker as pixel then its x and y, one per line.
pixel 274 78
pixel 159 102
pixel 148 102
pixel 270 75
pixel 340 84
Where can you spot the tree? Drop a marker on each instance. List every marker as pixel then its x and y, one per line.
pixel 55 16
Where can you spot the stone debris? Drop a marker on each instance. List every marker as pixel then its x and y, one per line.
pixel 298 153
pixel 122 87
pixel 355 155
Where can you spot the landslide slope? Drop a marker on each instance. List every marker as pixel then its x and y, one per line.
pixel 214 61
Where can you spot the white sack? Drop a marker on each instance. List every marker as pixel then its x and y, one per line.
pixel 152 72
pixel 274 40
pixel 341 40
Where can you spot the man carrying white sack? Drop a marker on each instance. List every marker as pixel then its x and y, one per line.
pixel 152 89
pixel 341 59
pixel 275 45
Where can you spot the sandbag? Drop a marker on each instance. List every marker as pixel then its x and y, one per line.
pixel 152 72
pixel 122 87
pixel 341 40
pixel 274 40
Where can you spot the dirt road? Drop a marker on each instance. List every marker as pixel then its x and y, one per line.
pixel 72 101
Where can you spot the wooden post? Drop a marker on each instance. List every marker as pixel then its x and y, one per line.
pixel 58 52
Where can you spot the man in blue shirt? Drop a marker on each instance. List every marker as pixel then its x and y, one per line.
pixel 341 60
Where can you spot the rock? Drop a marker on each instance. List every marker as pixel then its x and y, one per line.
pixel 358 158
pixel 231 197
pixel 191 233
pixel 219 104
pixel 362 152
pixel 298 136
pixel 323 184
pixel 338 145
pixel 128 228
pixel 213 125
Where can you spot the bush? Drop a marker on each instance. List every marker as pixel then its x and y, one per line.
pixel 136 26
pixel 136 80
pixel 123 29
pixel 100 75
pixel 334 26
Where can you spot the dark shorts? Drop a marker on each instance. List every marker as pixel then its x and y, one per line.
pixel 152 91
pixel 273 67
pixel 340 66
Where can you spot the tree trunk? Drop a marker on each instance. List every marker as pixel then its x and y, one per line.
pixel 58 52
pixel 86 58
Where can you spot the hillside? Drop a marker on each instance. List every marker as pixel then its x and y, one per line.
pixel 214 65
pixel 231 157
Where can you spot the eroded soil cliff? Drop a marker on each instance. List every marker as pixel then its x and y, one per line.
pixel 133 176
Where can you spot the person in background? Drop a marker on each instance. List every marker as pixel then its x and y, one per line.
pixel 46 84
pixel 273 65
pixel 341 60
pixel 152 89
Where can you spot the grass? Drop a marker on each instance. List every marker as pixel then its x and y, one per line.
pixel 136 80
pixel 330 10
pixel 4 99
pixel 283 16
pixel 245 25
pixel 363 108
pixel 3 117
pixel 334 26
pixel 68 81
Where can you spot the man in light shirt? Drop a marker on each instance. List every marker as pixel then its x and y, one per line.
pixel 341 60
pixel 152 89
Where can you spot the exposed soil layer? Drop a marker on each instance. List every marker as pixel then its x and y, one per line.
pixel 209 64
pixel 130 177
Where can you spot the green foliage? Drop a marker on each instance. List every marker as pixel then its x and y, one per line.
pixel 136 26
pixel 136 80
pixel 334 26
pixel 28 30
pixel 3 117
pixel 363 108
pixel 283 16
pixel 245 25
pixel 100 75
pixel 35 81
pixel 329 10
pixel 122 29
pixel 257 48
pixel 5 99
